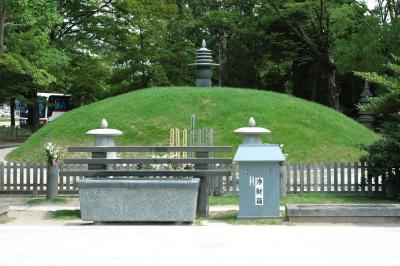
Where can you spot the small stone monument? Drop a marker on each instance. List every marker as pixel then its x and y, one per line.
pixel 203 64
pixel 252 134
pixel 104 138
pixel 366 117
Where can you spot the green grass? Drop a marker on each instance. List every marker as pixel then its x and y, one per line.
pixel 4 220
pixel 308 198
pixel 309 131
pixel 33 202
pixel 231 218
pixel 66 214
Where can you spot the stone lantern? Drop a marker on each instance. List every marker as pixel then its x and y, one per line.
pixel 203 64
pixel 251 133
pixel 104 138
pixel 366 117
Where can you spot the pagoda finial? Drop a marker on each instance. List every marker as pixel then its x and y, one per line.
pixel 252 122
pixel 203 44
pixel 104 123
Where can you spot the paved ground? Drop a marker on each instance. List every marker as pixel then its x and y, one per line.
pixel 33 237
pixel 4 152
pixel 198 245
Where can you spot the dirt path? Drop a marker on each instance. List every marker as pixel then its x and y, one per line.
pixel 4 152
pixel 40 218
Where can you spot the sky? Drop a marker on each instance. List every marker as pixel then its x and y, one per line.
pixel 370 3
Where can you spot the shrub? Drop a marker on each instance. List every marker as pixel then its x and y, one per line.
pixel 383 159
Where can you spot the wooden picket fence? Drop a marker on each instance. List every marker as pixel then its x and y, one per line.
pixel 9 133
pixel 349 177
pixel 343 177
pixel 23 178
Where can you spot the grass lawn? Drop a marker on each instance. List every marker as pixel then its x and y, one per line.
pixel 308 198
pixel 66 214
pixel 231 218
pixel 309 131
pixel 34 202
pixel 4 220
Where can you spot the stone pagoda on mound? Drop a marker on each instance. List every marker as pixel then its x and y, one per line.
pixel 365 117
pixel 203 64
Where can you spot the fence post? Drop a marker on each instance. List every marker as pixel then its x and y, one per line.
pixel 348 176
pixel 363 178
pixel 1 176
pixel 315 176
pixel 35 181
pixel 301 177
pixel 335 177
pixel 15 176
pixel 322 176
pixel 328 177
pixel 342 177
pixel 356 187
pixel 308 167
pixel 288 178
pixel 294 178
pixel 202 198
pixel 283 180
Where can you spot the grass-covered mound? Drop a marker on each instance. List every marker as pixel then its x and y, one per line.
pixel 309 131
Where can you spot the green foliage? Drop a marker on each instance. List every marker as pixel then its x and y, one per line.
pixel 388 102
pixel 309 198
pixel 357 39
pixel 310 132
pixel 383 158
pixel 231 218
pixel 29 61
pixel 34 202
pixel 66 214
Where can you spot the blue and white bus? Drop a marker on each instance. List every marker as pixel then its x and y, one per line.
pixel 51 106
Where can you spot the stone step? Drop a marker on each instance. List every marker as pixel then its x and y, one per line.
pixel 351 213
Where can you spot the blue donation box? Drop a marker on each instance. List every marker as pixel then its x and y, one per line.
pixel 259 174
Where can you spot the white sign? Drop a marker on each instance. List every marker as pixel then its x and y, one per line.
pixel 259 190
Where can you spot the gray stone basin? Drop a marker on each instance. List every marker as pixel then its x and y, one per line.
pixel 138 200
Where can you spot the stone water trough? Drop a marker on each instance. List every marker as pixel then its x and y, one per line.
pixel 109 194
pixel 138 200
pixel 344 213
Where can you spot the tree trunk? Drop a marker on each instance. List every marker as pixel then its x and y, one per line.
pixel 222 57
pixel 2 25
pixel 33 111
pixel 144 84
pixel 12 112
pixel 330 75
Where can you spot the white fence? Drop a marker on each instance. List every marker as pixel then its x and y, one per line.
pixel 342 177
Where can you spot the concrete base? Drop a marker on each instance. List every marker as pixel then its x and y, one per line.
pixel 138 200
pixel 344 213
pixel 3 210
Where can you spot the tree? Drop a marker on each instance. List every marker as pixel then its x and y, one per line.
pixel 383 156
pixel 388 103
pixel 27 61
pixel 315 33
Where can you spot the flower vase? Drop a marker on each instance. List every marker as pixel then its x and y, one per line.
pixel 52 181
